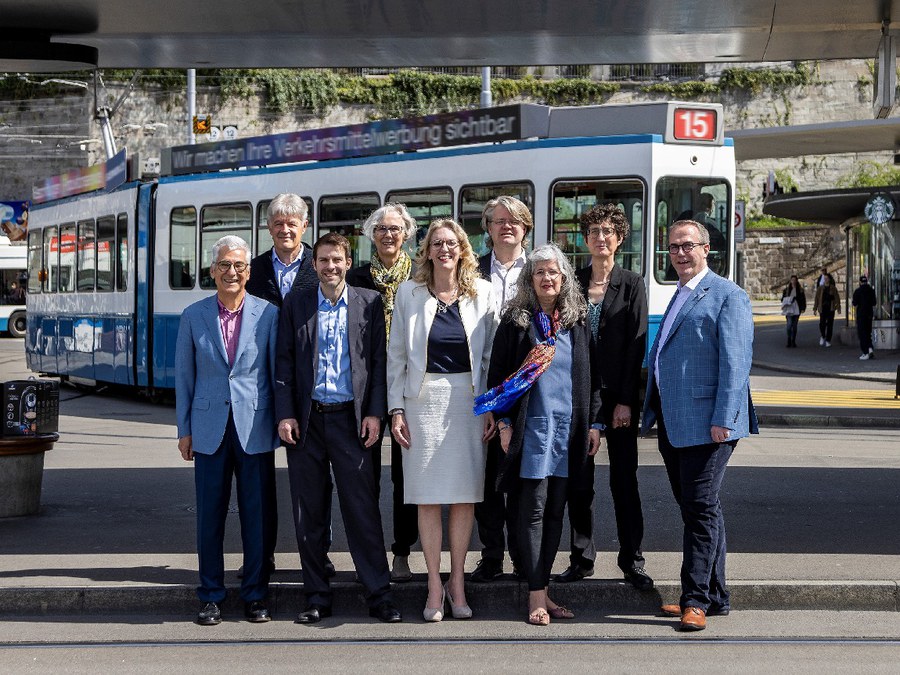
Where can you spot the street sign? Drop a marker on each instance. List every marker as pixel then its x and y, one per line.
pixel 202 124
pixel 739 224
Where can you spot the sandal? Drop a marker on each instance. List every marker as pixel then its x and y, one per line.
pixel 539 617
pixel 560 612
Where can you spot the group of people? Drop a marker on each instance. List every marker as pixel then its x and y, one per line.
pixel 828 301
pixel 498 378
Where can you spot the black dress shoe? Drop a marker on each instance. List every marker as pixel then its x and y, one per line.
pixel 638 578
pixel 256 612
pixel 210 614
pixel 386 611
pixel 487 570
pixel 574 573
pixel 313 614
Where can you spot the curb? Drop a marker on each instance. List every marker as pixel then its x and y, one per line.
pixel 885 379
pixel 498 598
pixel 868 422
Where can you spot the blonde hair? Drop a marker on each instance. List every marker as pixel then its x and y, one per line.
pixel 466 268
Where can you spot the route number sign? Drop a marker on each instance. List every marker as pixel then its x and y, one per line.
pixel 693 124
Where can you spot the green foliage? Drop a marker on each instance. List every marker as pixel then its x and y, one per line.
pixel 683 90
pixel 871 174
pixel 756 80
pixel 772 223
pixel 785 180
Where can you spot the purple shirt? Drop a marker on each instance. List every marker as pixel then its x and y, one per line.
pixel 231 329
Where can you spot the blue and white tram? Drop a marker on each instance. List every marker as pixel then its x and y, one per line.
pixel 111 273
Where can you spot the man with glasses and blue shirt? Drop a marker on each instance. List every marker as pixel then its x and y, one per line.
pixel 507 223
pixel 698 393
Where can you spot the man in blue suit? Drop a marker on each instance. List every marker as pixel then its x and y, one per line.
pixel 224 369
pixel 698 393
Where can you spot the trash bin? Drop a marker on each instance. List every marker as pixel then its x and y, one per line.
pixel 21 473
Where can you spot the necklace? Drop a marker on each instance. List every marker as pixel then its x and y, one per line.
pixel 444 306
pixel 600 283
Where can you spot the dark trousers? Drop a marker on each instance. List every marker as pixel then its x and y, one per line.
pixel 826 325
pixel 542 504
pixel 792 321
pixel 496 511
pixel 864 331
pixel 695 475
pixel 255 485
pixel 623 484
pixel 332 443
pixel 405 516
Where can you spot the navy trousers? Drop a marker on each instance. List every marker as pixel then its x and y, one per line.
pixel 255 486
pixel 695 475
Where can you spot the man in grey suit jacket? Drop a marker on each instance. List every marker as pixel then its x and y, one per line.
pixel 331 398
pixel 224 370
pixel 698 393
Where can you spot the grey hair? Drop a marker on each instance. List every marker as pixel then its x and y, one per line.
pixel 702 231
pixel 374 220
pixel 230 243
pixel 286 204
pixel 570 303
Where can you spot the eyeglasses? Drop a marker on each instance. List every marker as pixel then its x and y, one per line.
pixel 392 230
pixel 503 222
pixel 438 244
pixel 605 231
pixel 225 265
pixel 687 247
pixel 550 274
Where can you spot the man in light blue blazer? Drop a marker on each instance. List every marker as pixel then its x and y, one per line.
pixel 698 394
pixel 224 369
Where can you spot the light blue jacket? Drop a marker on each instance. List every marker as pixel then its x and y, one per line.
pixel 206 387
pixel 704 366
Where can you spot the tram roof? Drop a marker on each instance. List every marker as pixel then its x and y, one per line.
pixel 68 34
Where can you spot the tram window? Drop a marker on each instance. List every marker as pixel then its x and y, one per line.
pixel 472 199
pixel 122 252
pixel 106 252
pixel 425 206
pixel 704 200
pixel 183 247
pixel 345 215
pixel 86 256
pixel 36 270
pixel 572 198
pixel 264 239
pixel 67 258
pixel 216 221
pixel 50 279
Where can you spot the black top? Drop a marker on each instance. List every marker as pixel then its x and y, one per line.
pixel 448 347
pixel 262 282
pixel 361 277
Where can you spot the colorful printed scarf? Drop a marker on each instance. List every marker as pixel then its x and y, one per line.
pixel 386 281
pixel 502 397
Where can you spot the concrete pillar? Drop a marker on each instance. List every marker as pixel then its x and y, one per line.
pixel 21 473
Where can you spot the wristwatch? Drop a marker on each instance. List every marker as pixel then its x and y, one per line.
pixel 396 411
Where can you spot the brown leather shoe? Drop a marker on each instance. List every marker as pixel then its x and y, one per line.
pixel 671 610
pixel 693 618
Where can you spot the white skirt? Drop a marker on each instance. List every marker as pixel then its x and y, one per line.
pixel 445 461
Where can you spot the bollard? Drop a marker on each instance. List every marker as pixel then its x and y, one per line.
pixel 21 473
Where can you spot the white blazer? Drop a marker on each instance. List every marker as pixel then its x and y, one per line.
pixel 414 310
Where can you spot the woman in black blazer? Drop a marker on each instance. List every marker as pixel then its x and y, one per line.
pixel 617 314
pixel 389 228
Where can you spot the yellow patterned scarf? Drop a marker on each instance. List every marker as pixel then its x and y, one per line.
pixel 386 281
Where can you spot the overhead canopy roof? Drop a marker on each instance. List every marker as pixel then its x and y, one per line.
pixel 827 207
pixel 817 139
pixel 325 33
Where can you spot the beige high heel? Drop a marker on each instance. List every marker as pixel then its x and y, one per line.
pixel 435 615
pixel 457 611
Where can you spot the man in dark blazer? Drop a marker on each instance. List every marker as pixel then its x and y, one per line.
pixel 331 398
pixel 273 274
pixel 507 222
pixel 288 264
pixel 698 394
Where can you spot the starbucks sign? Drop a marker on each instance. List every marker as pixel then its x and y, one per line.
pixel 880 209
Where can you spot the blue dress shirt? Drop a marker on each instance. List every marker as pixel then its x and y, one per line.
pixel 334 383
pixel 285 274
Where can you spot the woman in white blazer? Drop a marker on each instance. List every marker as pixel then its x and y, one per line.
pixel 441 335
